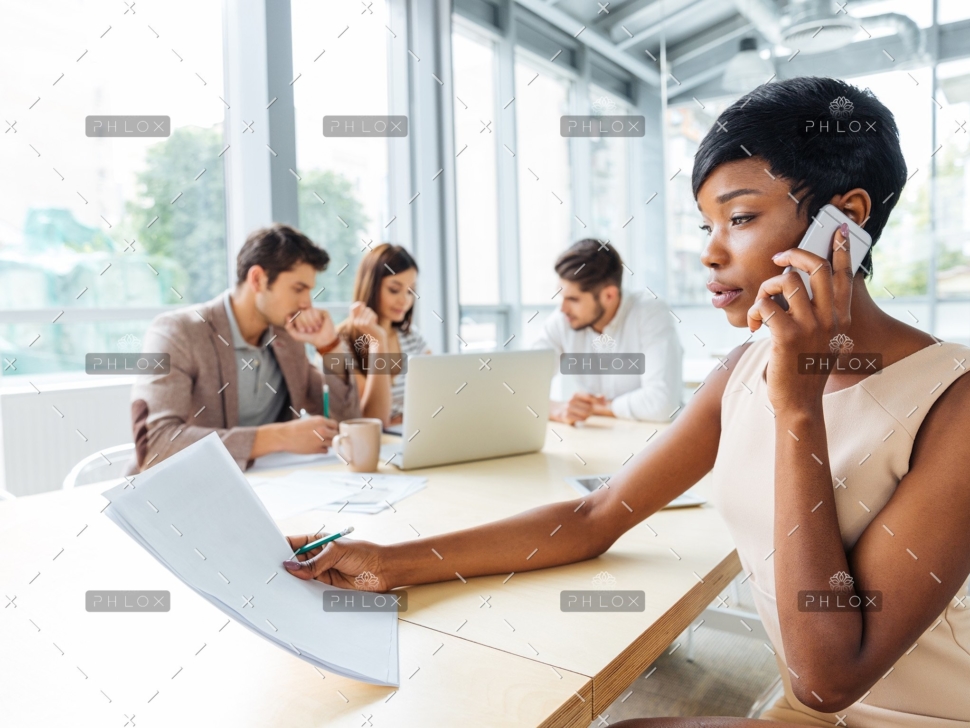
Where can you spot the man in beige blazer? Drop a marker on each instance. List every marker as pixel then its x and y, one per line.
pixel 239 365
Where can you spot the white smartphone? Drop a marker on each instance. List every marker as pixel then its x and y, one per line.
pixel 818 239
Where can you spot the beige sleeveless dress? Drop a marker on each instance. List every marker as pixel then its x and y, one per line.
pixel 929 686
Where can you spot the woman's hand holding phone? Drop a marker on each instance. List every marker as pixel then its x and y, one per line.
pixel 809 325
pixel 818 239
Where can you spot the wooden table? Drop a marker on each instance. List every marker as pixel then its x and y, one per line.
pixel 492 650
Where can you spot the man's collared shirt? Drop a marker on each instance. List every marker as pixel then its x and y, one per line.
pixel 643 325
pixel 262 390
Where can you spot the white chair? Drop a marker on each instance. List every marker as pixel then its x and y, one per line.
pixel 108 464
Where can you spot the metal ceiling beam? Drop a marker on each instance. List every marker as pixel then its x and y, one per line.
pixel 699 71
pixel 704 42
pixel 862 58
pixel 627 13
pixel 681 90
pixel 652 30
pixel 592 39
pixel 765 16
pixel 857 59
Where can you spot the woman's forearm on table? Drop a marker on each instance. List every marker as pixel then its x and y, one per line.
pixel 546 536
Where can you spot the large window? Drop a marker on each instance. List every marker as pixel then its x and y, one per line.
pixel 545 189
pixel 340 60
pixel 921 262
pixel 901 256
pixel 98 226
pixel 610 177
pixel 518 213
pixel 475 62
pixel 476 146
pixel 950 11
pixel 953 202
pixel 921 13
pixel 952 209
pixel 686 126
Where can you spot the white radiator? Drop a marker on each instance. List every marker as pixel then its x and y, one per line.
pixel 43 435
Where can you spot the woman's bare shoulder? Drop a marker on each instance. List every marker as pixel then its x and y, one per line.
pixel 721 374
pixel 701 418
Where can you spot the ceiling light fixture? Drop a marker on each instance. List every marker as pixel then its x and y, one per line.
pixel 747 70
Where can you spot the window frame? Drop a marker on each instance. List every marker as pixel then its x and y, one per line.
pixel 504 136
pixel 944 47
pixel 86 314
pixel 514 320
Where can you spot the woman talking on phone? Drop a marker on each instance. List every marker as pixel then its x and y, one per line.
pixel 823 476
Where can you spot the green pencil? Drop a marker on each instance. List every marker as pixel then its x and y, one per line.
pixel 326 400
pixel 321 541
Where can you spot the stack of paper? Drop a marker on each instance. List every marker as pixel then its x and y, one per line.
pixel 196 513
pixel 280 460
pixel 377 492
pixel 344 492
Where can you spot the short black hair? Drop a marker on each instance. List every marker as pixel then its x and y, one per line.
pixel 773 123
pixel 278 248
pixel 592 264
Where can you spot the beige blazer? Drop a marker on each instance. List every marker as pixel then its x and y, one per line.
pixel 199 395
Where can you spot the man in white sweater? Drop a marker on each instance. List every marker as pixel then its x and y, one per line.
pixel 601 330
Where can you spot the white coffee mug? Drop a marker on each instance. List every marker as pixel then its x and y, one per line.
pixel 359 443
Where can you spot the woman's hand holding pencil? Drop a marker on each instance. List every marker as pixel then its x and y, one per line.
pixel 345 563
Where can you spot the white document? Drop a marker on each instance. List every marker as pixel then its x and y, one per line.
pixel 300 491
pixel 379 492
pixel 280 460
pixel 306 490
pixel 196 513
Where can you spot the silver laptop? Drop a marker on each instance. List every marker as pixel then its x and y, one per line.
pixel 460 407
